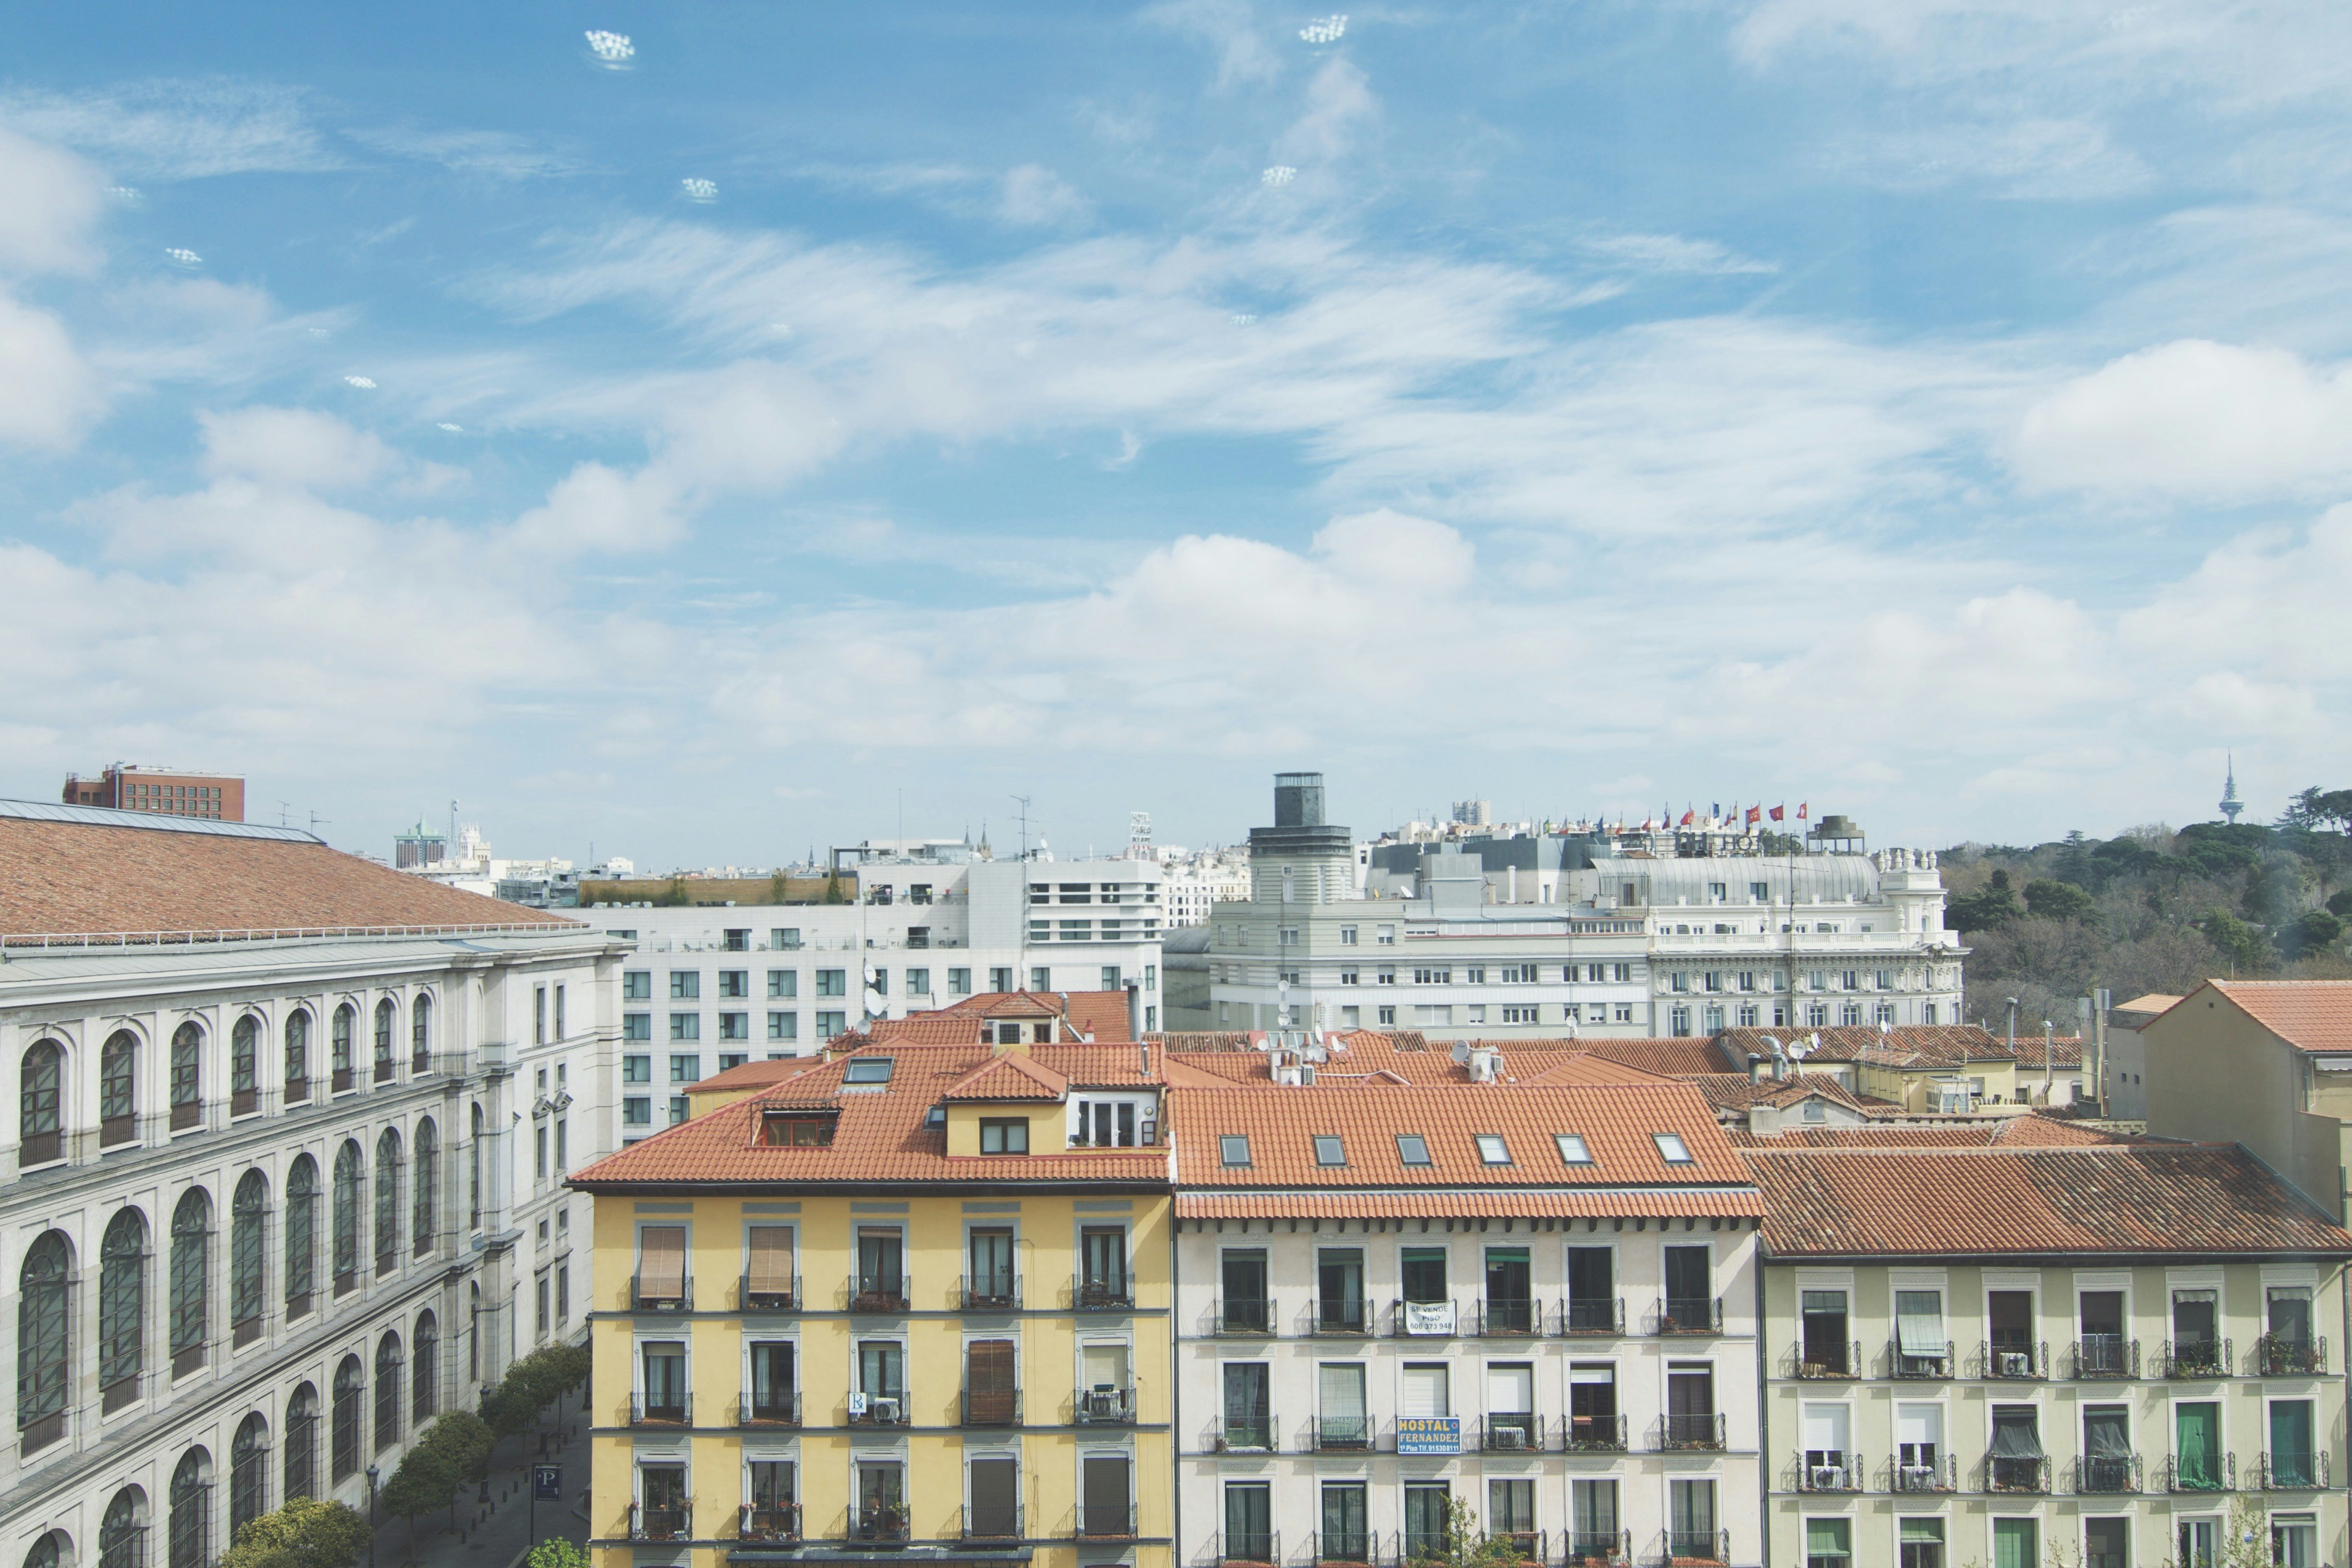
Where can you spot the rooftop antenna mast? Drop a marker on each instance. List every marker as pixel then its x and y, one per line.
pixel 285 810
pixel 1023 802
pixel 318 822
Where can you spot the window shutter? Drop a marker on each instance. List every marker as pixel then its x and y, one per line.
pixel 661 1263
pixel 1106 1498
pixel 771 1260
pixel 988 1379
pixel 995 1497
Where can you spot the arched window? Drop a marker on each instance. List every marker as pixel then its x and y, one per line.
pixel 349 1383
pixel 122 1532
pixel 188 1075
pixel 249 1473
pixel 474 1173
pixel 44 1341
pixel 347 1215
pixel 425 1374
pixel 118 1090
pixel 387 1391
pixel 245 1066
pixel 474 1333
pixel 40 1135
pixel 121 1309
pixel 249 1267
pixel 424 1219
pixel 298 1057
pixel 302 1442
pixel 192 1225
pixel 387 1201
pixel 420 1035
pixel 347 1021
pixel 384 1022
pixel 192 1510
pixel 301 1234
pixel 51 1550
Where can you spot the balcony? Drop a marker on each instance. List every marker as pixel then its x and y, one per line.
pixel 40 1149
pixel 988 1293
pixel 1001 1523
pixel 2200 1472
pixel 1924 1476
pixel 1340 1435
pixel 1254 1436
pixel 1101 1293
pixel 1691 1315
pixel 1103 1407
pixel 1597 1549
pixel 2109 1475
pixel 1248 1316
pixel 888 1409
pixel 1250 1549
pixel 1506 1317
pixel 649 1521
pixel 2106 1355
pixel 40 1431
pixel 1680 1547
pixel 1594 1434
pixel 2021 1476
pixel 874 1293
pixel 881 1524
pixel 2198 1359
pixel 243 1101
pixel 661 1409
pixel 1596 1315
pixel 988 1409
pixel 1350 1547
pixel 1832 1472
pixel 658 1298
pixel 2014 1360
pixel 1914 1367
pixel 342 1081
pixel 2290 1355
pixel 243 1331
pixel 420 1062
pixel 383 1070
pixel 770 1409
pixel 769 1295
pixel 187 1113
pixel 775 1524
pixel 1511 1432
pixel 188 1358
pixel 1827 1359
pixel 1519 1546
pixel 1691 1430
pixel 1424 1320
pixel 298 1092
pixel 2291 1472
pixel 1105 1522
pixel 1338 1315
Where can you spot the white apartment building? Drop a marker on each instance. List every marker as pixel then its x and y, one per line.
pixel 287 1180
pixel 1536 936
pixel 1191 885
pixel 1537 1301
pixel 709 988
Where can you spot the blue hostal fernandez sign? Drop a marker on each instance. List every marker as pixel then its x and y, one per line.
pixel 1429 1435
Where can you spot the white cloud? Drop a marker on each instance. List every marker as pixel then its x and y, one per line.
pixel 49 201
pixel 49 392
pixel 500 154
pixel 1243 54
pixel 1341 106
pixel 174 129
pixel 595 508
pixel 1673 253
pixel 2028 156
pixel 2192 418
pixel 1035 196
pixel 2271 605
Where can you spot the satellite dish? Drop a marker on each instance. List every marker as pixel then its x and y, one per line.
pixel 1800 1050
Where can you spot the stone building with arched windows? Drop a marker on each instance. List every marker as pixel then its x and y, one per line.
pixel 271 1198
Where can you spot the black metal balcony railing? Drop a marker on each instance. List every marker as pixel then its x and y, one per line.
pixel 40 1431
pixel 1003 1523
pixel 1593 1434
pixel 1340 1435
pixel 1250 1315
pixel 777 1522
pixel 1105 1522
pixel 1703 1430
pixel 1593 1315
pixel 1923 1475
pixel 1103 1407
pixel 660 1298
pixel 877 1292
pixel 769 1409
pixel 1597 1548
pixel 1829 1358
pixel 1248 1549
pixel 661 1521
pixel 341 1080
pixel 40 1148
pixel 1253 1435
pixel 2283 1355
pixel 1832 1472
pixel 884 1524
pixel 1422 1546
pixel 2198 1358
pixel 1343 1546
pixel 2108 1474
pixel 988 1409
pixel 2015 1359
pixel 1102 1293
pixel 768 1297
pixel 988 1292
pixel 243 1101
pixel 661 1409
pixel 1339 1315
pixel 2106 1355
pixel 298 1092
pixel 383 1072
pixel 2291 1472
pixel 1505 1315
pixel 1695 1314
pixel 186 1113
pixel 1687 1546
pixel 1424 1320
pixel 1901 1363
pixel 887 1408
pixel 2200 1472
pixel 1523 1545
pixel 1510 1432
pixel 2017 1475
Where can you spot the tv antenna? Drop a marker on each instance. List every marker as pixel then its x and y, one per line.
pixel 1023 802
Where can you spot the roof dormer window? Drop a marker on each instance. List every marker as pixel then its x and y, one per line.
pixel 867 1069
pixel 1233 1149
pixel 1671 1149
pixel 1329 1150
pixel 1412 1149
pixel 1572 1151
pixel 1493 1150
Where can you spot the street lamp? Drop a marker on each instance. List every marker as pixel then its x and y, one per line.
pixel 372 1473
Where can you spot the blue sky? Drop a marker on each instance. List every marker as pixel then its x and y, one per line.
pixel 1934 412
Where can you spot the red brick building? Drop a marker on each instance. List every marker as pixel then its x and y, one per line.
pixel 216 797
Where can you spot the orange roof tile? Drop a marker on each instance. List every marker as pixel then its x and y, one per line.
pixel 1930 1044
pixel 754 1075
pixel 1011 1076
pixel 2310 1014
pixel 1469 1204
pixel 1102 1014
pixel 2127 1200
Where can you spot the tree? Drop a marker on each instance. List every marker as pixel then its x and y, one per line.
pixel 2312 931
pixel 425 1478
pixel 2340 904
pixel 307 1532
pixel 833 887
pixel 2235 940
pixel 778 888
pixel 464 1442
pixel 1989 910
pixel 2047 899
pixel 557 1553
pixel 508 1410
pixel 1464 1547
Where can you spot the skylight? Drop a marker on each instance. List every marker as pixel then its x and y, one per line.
pixel 1330 1151
pixel 1412 1149
pixel 1671 1149
pixel 1572 1151
pixel 1233 1149
pixel 867 1069
pixel 1493 1150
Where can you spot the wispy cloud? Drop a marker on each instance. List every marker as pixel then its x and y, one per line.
pixel 180 130
pixel 1674 252
pixel 499 154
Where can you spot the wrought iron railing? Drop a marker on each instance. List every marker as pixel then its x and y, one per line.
pixel 660 1299
pixel 1344 1546
pixel 1103 1407
pixel 2200 1472
pixel 1342 1315
pixel 1510 1432
pixel 2198 1358
pixel 1691 1429
pixel 1004 1522
pixel 1832 1472
pixel 2291 1472
pixel 988 1409
pixel 1923 1475
pixel 661 1409
pixel 2017 1474
pixel 1248 1549
pixel 1597 1548
pixel 2289 1355
pixel 1424 1320
pixel 767 1297
pixel 2106 1355
pixel 2108 1474
pixel 1254 1432
pixel 1901 1363
pixel 1686 1316
pixel 988 1292
pixel 874 1293
pixel 1102 1293
pixel 1508 1315
pixel 1689 1546
pixel 1105 1522
pixel 884 1409
pixel 772 1522
pixel 1247 1315
pixel 1593 1434
pixel 661 1521
pixel 769 1409
pixel 1593 1316
pixel 1340 1434
pixel 1828 1358
pixel 2012 1360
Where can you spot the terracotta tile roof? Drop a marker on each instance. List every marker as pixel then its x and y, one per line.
pixel 1955 1132
pixel 2018 1132
pixel 2142 1009
pixel 753 1075
pixel 1468 1203
pixel 2065 1050
pixel 2310 1014
pixel 1011 1076
pixel 1616 1121
pixel 880 1135
pixel 915 1029
pixel 1102 1014
pixel 2129 1199
pixel 91 875
pixel 1931 1044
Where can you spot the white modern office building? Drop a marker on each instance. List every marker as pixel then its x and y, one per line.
pixel 286 1183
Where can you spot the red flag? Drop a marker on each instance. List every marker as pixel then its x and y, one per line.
pixel 1776 813
pixel 1686 818
pixel 1801 811
pixel 1754 814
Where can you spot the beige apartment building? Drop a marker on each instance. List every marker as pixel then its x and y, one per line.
pixel 2265 1063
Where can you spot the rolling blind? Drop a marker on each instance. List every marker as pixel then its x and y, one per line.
pixel 661 1262
pixel 772 1259
pixel 988 1379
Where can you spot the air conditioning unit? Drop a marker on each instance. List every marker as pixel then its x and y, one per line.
pixel 1829 1478
pixel 1510 1437
pixel 886 1409
pixel 1102 1402
pixel 2016 1363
